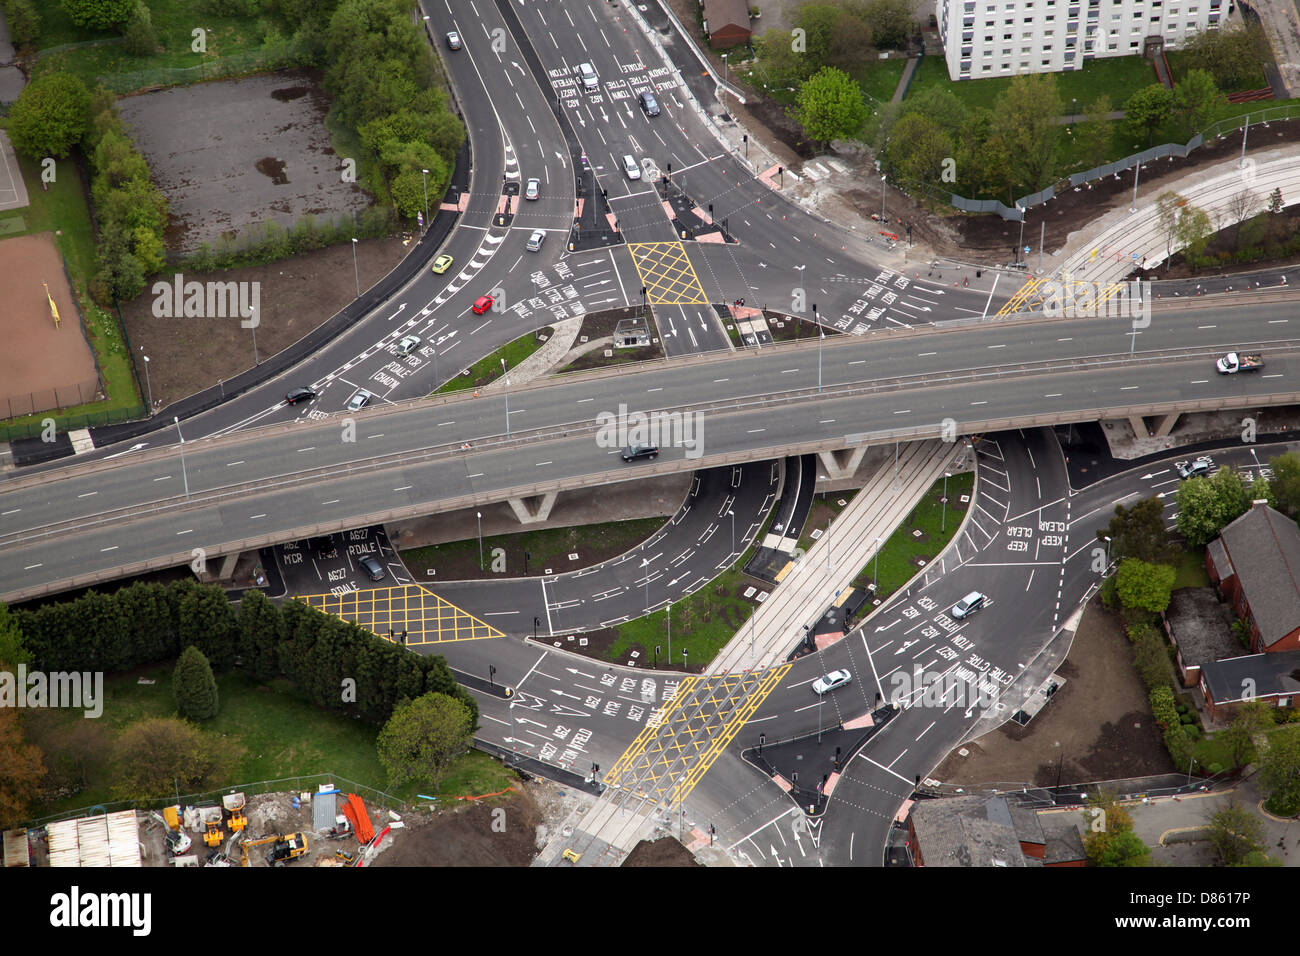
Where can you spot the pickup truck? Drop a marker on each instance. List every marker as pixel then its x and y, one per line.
pixel 1233 363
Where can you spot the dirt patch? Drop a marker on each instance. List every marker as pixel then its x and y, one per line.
pixel 666 851
pixel 298 294
pixel 499 831
pixel 1097 727
pixel 41 366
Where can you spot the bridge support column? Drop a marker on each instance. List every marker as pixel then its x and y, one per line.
pixel 1139 425
pixel 843 463
pixel 533 510
pixel 228 562
pixel 1167 423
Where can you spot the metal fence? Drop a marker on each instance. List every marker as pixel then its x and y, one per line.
pixel 278 56
pixel 13 431
pixel 308 782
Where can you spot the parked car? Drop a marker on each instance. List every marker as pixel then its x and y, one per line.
pixel 482 304
pixel 1195 469
pixel 535 241
pixel 824 685
pixel 370 564
pixel 360 400
pixel 297 395
pixel 648 103
pixel 532 189
pixel 442 264
pixel 968 605
pixel 631 167
pixel 408 345
pixel 453 39
pixel 636 452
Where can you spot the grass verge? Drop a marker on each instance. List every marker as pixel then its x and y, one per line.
pixel 906 551
pixel 488 368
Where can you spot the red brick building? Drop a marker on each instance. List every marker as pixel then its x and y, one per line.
pixel 726 22
pixel 1255 565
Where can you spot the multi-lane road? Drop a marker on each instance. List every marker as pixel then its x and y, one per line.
pixel 256 471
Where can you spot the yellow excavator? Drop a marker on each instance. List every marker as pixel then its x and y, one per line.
pixel 283 848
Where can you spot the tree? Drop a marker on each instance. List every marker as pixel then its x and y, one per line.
pixel 1167 205
pixel 1144 586
pixel 422 737
pixel 1231 56
pixel 261 630
pixel 830 106
pixel 1109 839
pixel 1197 100
pixel 208 622
pixel 917 150
pixel 12 650
pixel 158 754
pixel 140 38
pixel 1235 833
pixel 891 22
pixel 99 14
pixel 1146 109
pixel 21 770
pixel 1239 736
pixel 1207 505
pixel 1241 206
pixel 1193 230
pixel 49 116
pixel 24 22
pixel 1139 532
pixel 1027 118
pixel 1286 483
pixel 1151 659
pixel 1093 137
pixel 194 687
pixel 1279 772
pixel 1275 200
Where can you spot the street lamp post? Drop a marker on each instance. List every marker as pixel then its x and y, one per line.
pixel 943 523
pixel 821 338
pixel 479 516
pixel 725 74
pixel 875 573
pixel 256 358
pixel 883 187
pixel 503 372
pixel 1107 540
pixel 355 274
pixel 645 564
pixel 424 174
pixel 184 477
pixel 1241 164
pixel 147 383
pixel 1021 244
pixel 1133 206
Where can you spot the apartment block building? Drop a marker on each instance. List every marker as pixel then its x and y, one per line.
pixel 983 38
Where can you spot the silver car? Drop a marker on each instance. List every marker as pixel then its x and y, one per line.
pixel 408 345
pixel 631 167
pixel 533 189
pixel 360 400
pixel 824 685
pixel 535 241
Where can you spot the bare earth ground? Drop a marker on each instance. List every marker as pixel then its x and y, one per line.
pixel 298 294
pixel 465 834
pixel 1097 727
pixel 231 155
pixel 666 851
pixel 41 366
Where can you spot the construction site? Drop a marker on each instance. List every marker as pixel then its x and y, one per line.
pixel 327 827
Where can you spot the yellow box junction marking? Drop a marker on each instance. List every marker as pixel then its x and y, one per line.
pixel 426 618
pixel 1078 296
pixel 681 740
pixel 1016 302
pixel 667 274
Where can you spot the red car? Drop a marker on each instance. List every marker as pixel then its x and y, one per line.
pixel 482 304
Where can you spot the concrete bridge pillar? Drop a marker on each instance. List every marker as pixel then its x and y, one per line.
pixel 843 463
pixel 227 572
pixel 1167 423
pixel 1139 425
pixel 533 510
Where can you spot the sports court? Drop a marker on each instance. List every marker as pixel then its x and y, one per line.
pixel 13 191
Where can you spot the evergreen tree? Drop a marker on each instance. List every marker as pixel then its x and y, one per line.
pixel 194 687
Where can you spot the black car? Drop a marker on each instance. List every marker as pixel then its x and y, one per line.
pixel 649 103
pixel 635 452
pixel 370 564
pixel 299 395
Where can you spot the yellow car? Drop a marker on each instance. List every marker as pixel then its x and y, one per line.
pixel 442 264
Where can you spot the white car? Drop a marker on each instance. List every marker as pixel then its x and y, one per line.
pixel 360 400
pixel 631 167
pixel 533 189
pixel 535 241
pixel 408 345
pixel 824 685
pixel 968 605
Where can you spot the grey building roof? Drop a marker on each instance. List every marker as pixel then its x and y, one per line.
pixel 721 13
pixel 1257 675
pixel 1219 558
pixel 1201 626
pixel 1263 546
pixel 969 831
pixel 1064 845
